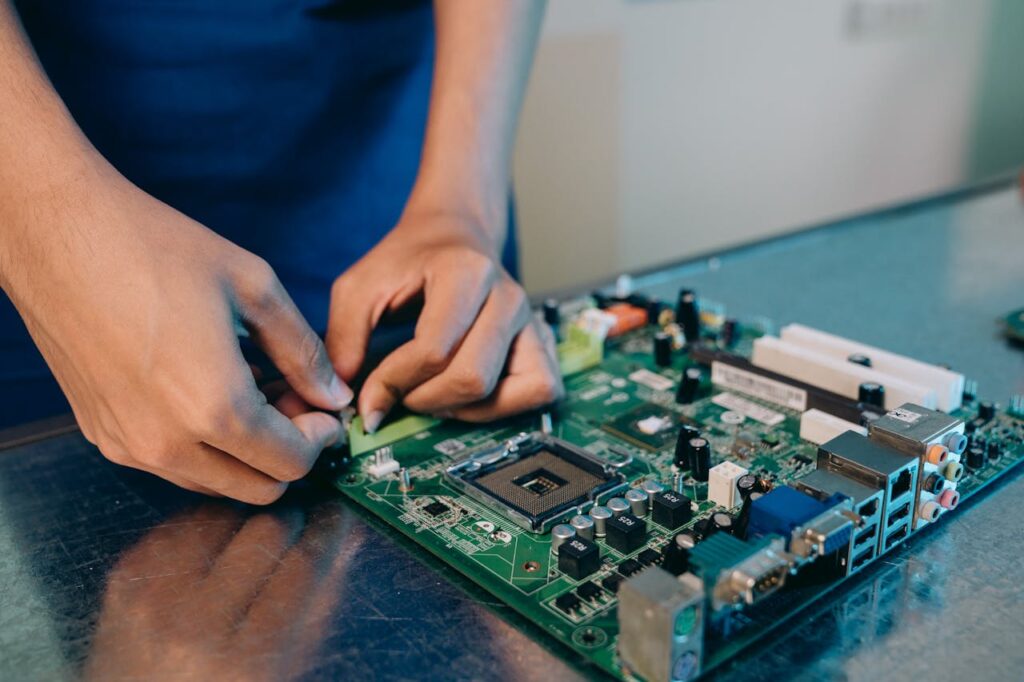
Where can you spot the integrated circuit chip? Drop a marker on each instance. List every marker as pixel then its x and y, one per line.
pixel 648 426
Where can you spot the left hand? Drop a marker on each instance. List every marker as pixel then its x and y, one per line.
pixel 477 353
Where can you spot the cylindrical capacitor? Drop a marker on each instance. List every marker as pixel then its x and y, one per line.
pixel 584 526
pixel 637 502
pixel 686 539
pixel 986 410
pixel 600 515
pixel 618 506
pixel 975 457
pixel 561 534
pixel 700 458
pixel 689 384
pixel 687 315
pixel 652 488
pixel 871 393
pixel 404 480
pixel 552 315
pixel 994 450
pixel 723 522
pixel 746 484
pixel 681 458
pixel 675 558
pixel 663 349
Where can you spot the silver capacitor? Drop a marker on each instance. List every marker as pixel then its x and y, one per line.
pixel 637 501
pixel 600 515
pixel 584 526
pixel 561 534
pixel 618 506
pixel 652 488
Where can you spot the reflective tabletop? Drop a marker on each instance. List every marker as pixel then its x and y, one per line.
pixel 107 573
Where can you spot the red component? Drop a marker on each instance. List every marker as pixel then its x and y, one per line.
pixel 627 318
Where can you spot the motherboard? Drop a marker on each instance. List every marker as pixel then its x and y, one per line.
pixel 703 481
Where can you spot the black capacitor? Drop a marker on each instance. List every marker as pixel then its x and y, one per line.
pixel 675 556
pixel 663 349
pixel 871 393
pixel 986 410
pixel 859 359
pixel 682 454
pixel 552 315
pixel 687 315
pixel 747 484
pixel 975 457
pixel 728 333
pixel 723 522
pixel 654 308
pixel 994 450
pixel 688 386
pixel 700 458
pixel 743 519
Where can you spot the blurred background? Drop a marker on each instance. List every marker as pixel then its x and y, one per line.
pixel 659 129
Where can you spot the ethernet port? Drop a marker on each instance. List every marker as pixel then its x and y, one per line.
pixel 869 508
pixel 902 484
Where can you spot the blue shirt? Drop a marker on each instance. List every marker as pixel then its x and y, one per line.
pixel 291 127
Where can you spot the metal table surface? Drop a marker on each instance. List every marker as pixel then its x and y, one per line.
pixel 107 573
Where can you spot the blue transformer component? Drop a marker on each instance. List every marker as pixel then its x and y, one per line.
pixel 785 508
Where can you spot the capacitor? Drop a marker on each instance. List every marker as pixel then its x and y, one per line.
pixel 618 506
pixel 561 534
pixel 404 480
pixel 687 315
pixel 678 482
pixel 859 359
pixel 723 522
pixel 994 450
pixel 681 458
pixel 746 484
pixel 600 515
pixel 689 384
pixel 686 539
pixel 743 520
pixel 546 425
pixel 871 393
pixel 700 458
pixel 552 314
pixel 986 410
pixel 651 488
pixel 637 502
pixel 728 334
pixel 976 457
pixel 675 558
pixel 583 525
pixel 663 349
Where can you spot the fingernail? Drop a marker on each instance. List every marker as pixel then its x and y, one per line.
pixel 341 393
pixel 372 421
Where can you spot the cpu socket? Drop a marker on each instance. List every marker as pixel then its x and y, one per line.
pixel 535 481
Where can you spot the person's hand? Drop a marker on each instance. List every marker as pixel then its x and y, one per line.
pixel 477 353
pixel 136 309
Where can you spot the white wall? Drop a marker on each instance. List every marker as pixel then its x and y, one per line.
pixel 658 129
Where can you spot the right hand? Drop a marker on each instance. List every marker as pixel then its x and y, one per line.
pixel 135 308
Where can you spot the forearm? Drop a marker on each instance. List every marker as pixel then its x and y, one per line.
pixel 43 155
pixel 483 57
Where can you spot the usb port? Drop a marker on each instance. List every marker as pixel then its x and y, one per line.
pixel 862 559
pixel 898 515
pixel 896 536
pixel 865 535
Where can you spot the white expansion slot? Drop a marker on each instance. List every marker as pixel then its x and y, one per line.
pixel 820 427
pixel 836 375
pixel 948 385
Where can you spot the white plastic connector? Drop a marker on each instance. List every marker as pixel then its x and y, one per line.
pixel 820 427
pixel 836 375
pixel 947 385
pixel 384 463
pixel 722 480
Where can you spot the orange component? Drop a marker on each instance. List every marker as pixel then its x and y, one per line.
pixel 627 318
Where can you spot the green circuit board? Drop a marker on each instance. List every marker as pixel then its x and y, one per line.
pixel 599 414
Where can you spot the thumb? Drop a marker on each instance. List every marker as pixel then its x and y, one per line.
pixel 277 327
